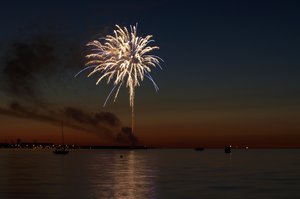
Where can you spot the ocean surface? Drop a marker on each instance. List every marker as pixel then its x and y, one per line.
pixel 155 173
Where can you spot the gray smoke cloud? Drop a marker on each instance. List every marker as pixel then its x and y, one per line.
pixel 125 135
pixel 24 62
pixel 104 124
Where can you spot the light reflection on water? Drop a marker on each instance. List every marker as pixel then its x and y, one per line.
pixel 129 177
pixel 162 174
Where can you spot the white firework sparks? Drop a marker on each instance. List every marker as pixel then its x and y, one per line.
pixel 122 58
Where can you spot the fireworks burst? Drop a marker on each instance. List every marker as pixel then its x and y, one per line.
pixel 122 58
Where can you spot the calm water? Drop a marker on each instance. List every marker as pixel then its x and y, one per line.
pixel 184 174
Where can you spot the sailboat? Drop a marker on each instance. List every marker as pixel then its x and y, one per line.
pixel 61 150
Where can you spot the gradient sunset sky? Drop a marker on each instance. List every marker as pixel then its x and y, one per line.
pixel 230 76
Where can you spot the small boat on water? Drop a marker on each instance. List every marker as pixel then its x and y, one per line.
pixel 199 149
pixel 61 150
pixel 227 149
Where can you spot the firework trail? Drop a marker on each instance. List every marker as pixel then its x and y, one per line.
pixel 122 58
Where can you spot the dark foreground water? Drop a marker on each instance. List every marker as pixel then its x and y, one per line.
pixel 184 174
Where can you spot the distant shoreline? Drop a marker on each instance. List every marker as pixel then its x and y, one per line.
pixel 128 147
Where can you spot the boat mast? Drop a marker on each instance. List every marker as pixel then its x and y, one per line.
pixel 62 133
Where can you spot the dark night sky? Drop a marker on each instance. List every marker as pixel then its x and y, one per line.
pixel 230 76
